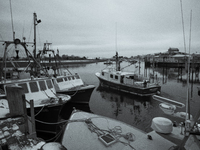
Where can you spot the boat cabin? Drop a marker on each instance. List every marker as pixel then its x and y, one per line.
pixel 127 78
pixel 40 90
pixel 67 82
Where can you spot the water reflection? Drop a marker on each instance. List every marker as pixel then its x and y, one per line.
pixel 135 110
pixel 129 108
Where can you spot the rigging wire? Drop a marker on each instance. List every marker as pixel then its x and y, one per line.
pixel 30 31
pixel 23 31
pixel 1 36
pixel 39 35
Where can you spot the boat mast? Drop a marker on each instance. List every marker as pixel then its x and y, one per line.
pixel 188 73
pixel 12 21
pixel 117 62
pixel 116 56
pixel 36 22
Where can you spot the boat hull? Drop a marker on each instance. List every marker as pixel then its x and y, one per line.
pixel 45 116
pixel 81 95
pixel 148 91
pixel 84 131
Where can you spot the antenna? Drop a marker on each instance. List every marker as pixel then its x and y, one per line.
pixel 12 21
pixel 116 36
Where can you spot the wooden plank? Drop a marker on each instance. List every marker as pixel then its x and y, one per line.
pixel 15 102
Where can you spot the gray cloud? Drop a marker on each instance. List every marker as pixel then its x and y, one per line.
pixel 89 27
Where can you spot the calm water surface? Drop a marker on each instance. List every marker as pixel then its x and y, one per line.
pixel 135 110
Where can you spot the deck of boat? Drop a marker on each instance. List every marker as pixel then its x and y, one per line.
pixel 78 136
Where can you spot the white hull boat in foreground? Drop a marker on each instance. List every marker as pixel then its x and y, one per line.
pixel 90 131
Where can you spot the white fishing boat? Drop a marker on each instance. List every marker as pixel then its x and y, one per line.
pixel 22 68
pixel 127 81
pixel 64 81
pixel 47 104
pixel 90 131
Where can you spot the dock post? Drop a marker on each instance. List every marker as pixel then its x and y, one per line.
pixel 16 104
pixel 14 96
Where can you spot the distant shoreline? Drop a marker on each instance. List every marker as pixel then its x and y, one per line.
pixel 23 63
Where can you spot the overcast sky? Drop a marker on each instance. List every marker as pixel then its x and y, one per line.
pixel 90 27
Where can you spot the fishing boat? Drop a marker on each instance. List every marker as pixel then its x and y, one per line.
pixel 64 81
pixel 20 68
pixel 127 81
pixel 47 104
pixel 91 131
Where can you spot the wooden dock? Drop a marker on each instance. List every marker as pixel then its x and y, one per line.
pixel 17 129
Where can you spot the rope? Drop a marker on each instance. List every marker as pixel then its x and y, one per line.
pixel 40 110
pixel 65 121
pixel 56 136
pixel 74 93
pixel 116 132
pixel 76 90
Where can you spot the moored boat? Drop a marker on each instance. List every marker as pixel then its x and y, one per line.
pixel 47 104
pixel 91 131
pixel 64 81
pixel 127 81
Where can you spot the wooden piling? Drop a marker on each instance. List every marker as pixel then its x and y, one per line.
pixel 16 105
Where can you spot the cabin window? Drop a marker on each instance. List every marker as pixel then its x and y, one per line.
pixel 42 85
pixel 111 76
pixel 65 78
pixel 49 84
pixel 73 78
pixel 33 87
pixel 59 79
pixel 69 78
pixel 102 73
pixel 116 77
pixel 24 86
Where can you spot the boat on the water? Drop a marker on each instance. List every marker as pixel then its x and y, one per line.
pixel 128 82
pixel 91 131
pixel 64 81
pixel 47 104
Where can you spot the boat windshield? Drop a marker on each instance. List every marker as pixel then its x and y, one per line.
pixel 49 84
pixel 42 85
pixel 34 87
pixel 59 79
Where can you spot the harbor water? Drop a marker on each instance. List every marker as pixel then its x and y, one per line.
pixel 135 110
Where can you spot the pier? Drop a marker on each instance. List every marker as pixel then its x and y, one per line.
pixel 17 129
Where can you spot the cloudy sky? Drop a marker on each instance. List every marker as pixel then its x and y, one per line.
pixel 97 28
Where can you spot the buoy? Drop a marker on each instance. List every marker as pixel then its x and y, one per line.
pixel 53 146
pixel 162 125
pixel 167 108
